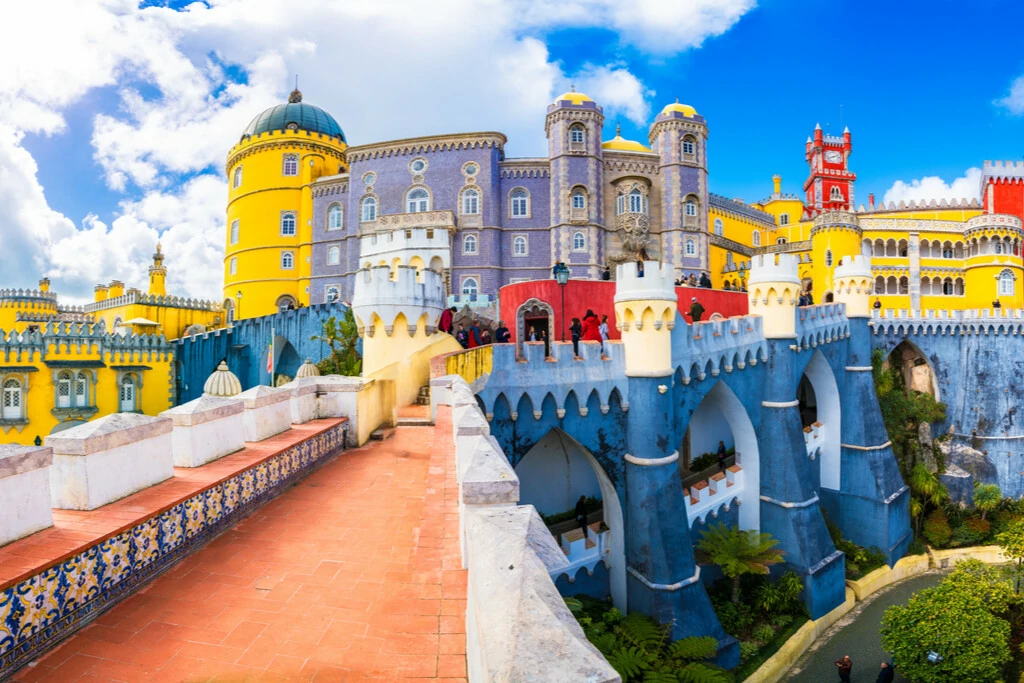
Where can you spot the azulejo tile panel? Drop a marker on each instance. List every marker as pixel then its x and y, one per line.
pixel 43 609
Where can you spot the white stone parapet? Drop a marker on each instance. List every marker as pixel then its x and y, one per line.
pixel 405 243
pixel 993 220
pixel 855 266
pixel 109 458
pixel 338 396
pixel 24 491
pixel 378 296
pixel 656 283
pixel 206 429
pixel 773 268
pixel 268 411
pixel 303 398
pixel 721 490
pixel 583 553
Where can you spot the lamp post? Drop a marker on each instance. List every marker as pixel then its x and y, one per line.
pixel 238 312
pixel 561 273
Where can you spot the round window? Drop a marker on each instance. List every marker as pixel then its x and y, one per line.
pixel 470 169
pixel 369 178
pixel 418 165
pixel 293 126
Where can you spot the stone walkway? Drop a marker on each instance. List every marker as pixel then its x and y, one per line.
pixel 351 575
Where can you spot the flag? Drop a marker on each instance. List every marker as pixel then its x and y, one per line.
pixel 270 355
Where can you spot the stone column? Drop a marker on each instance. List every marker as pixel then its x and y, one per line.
pixel 914 253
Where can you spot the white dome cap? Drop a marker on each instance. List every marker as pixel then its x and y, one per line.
pixel 307 369
pixel 222 382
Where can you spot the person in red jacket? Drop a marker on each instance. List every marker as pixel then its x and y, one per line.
pixel 591 327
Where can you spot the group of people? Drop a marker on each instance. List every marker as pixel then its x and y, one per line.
pixel 475 336
pixel 693 281
pixel 588 330
pixel 844 665
pixel 806 298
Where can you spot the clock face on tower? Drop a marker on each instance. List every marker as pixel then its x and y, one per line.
pixel 833 157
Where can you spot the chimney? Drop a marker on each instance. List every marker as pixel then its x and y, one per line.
pixel 101 293
pixel 777 183
pixel 871 201
pixel 44 285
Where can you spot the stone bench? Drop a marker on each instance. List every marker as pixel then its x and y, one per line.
pixel 24 491
pixel 206 429
pixel 109 458
pixel 268 411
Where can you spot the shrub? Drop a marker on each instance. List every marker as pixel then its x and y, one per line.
pixel 916 547
pixel 764 633
pixel 735 618
pixel 782 620
pixel 979 526
pixel 937 529
pixel 748 649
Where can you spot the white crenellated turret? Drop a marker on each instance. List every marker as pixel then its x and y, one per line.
pixel 853 283
pixel 774 287
pixel 645 311
pixel 380 299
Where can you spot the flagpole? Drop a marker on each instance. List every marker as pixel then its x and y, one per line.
pixel 270 361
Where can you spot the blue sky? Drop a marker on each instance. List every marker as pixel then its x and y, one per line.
pixel 128 121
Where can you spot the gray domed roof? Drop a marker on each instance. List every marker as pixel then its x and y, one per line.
pixel 305 117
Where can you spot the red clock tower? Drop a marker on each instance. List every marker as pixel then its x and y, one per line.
pixel 830 184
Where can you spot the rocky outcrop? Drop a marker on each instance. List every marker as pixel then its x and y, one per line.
pixel 974 462
pixel 960 484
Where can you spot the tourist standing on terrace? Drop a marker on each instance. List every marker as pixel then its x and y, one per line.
pixel 462 337
pixel 447 318
pixel 603 329
pixel 581 514
pixel 575 330
pixel 591 327
pixel 696 310
pixel 502 335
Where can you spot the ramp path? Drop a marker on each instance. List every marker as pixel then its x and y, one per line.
pixel 352 575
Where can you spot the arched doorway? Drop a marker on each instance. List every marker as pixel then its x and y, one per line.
pixel 553 475
pixel 286 302
pixel 722 417
pixel 821 418
pixel 538 315
pixel 917 371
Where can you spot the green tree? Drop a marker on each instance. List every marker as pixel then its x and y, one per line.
pixel 928 492
pixel 1012 543
pixel 960 620
pixel 342 336
pixel 739 552
pixel 987 498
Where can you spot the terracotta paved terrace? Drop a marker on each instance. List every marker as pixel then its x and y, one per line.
pixel 351 575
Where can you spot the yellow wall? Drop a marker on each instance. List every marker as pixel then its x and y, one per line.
pixel 173 320
pixel 471 364
pixel 375 406
pixel 403 359
pixel 265 192
pixel 648 348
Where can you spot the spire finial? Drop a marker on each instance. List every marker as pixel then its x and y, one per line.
pixel 296 95
pixel 677 100
pixel 158 248
pixel 618 130
pixel 572 87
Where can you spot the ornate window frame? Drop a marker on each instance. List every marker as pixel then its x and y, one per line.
pixel 294 227
pixel 236 229
pixel 233 266
pixel 688 155
pixel 290 165
pixel 467 192
pixel 571 135
pixel 690 247
pixel 236 177
pixel 340 213
pixel 22 395
pixel 369 200
pixel 520 239
pixel 512 201
pixel 466 239
pixel 1006 275
pixel 583 239
pixel 287 259
pixel 476 280
pixel 408 199
pixel 333 250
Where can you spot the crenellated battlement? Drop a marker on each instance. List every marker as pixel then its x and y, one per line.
pixel 379 296
pixel 11 294
pixel 855 266
pixel 58 339
pixel 657 282
pixel 718 346
pixel 835 220
pixel 1000 170
pixel 773 268
pixel 134 296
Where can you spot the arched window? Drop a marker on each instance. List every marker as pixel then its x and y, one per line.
pixel 291 164
pixel 755 238
pixel 332 293
pixel 637 202
pixel 879 285
pixel 728 258
pixel 417 201
pixel 469 244
pixel 234 266
pixel 287 224
pixel 783 219
pixel 234 231
pixel 1006 283
pixel 519 245
pixel 828 257
pixel 520 203
pixel 836 194
pixel 691 248
pixel 285 302
pixel 947 250
pixel 719 227
pixel 333 256
pixel 127 402
pixel 577 134
pixel 691 207
pixel 287 260
pixel 998 246
pixel 369 209
pixel 64 390
pixel 579 199
pixel 947 287
pixel 12 400
pixel 579 241
pixel 689 146
pixel 334 217
pixel 470 288
pixel 237 182
pixel 470 202
pixel 229 310
pixel 781 240
pixel 82 389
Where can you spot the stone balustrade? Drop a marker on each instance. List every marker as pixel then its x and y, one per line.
pixel 206 429
pixel 268 411
pixel 24 491
pixel 584 552
pixel 303 400
pixel 109 458
pixel 721 491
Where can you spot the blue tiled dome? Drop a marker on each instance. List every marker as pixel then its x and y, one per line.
pixel 304 116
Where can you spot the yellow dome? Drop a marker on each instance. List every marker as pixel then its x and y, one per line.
pixel 574 97
pixel 622 144
pixel 684 109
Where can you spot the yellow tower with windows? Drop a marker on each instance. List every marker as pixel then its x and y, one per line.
pixel 267 259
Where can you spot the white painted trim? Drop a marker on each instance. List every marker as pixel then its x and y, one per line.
pixel 783 404
pixel 859 368
pixel 868 448
pixel 666 586
pixel 807 503
pixel 652 462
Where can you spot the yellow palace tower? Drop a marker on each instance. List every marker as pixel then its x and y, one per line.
pixel 269 219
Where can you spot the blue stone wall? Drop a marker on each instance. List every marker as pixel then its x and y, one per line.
pixel 244 346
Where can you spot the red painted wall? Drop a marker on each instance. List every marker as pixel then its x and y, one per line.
pixel 599 296
pixel 1006 198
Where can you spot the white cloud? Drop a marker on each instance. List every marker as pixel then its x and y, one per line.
pixel 385 70
pixel 933 187
pixel 1014 100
